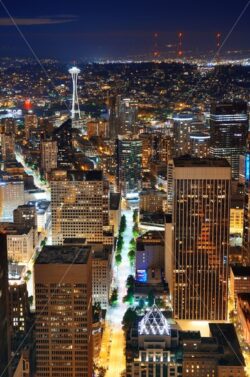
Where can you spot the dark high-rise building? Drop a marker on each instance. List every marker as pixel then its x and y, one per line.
pixel 122 116
pixel 25 215
pixel 4 309
pixel 113 123
pixel 129 164
pixel 228 129
pixel 63 289
pixel 18 310
pixel 63 136
pixel 197 242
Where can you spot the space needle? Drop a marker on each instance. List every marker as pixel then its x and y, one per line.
pixel 75 111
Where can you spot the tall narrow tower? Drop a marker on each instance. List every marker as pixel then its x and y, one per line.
pixel 156 52
pixel 218 45
pixel 180 40
pixel 74 71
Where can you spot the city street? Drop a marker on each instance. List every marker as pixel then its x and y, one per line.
pixel 112 356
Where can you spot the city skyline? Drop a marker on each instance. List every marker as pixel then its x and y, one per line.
pixel 124 189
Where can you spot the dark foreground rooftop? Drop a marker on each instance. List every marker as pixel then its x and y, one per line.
pixel 64 254
pixel 188 161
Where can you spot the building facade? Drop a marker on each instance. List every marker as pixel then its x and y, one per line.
pixel 63 288
pixel 228 129
pixel 48 155
pixel 129 165
pixel 198 248
pixel 101 274
pixel 20 242
pixel 246 225
pixel 11 196
pixel 80 206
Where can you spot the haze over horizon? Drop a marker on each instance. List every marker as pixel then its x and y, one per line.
pixel 97 30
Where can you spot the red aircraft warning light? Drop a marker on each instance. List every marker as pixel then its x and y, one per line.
pixel 27 104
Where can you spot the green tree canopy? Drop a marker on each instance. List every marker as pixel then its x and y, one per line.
pixel 129 319
pixel 118 259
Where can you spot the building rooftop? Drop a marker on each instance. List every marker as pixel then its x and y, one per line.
pixel 154 323
pixel 151 237
pixel 226 335
pixel 188 161
pixel 74 241
pixel 41 205
pixel 13 229
pixel 66 125
pixel 190 335
pixel 115 199
pixel 153 192
pixel 64 254
pixel 77 175
pixel 240 270
pixel 229 108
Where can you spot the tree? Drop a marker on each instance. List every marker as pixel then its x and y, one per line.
pixel 114 297
pixel 30 300
pixel 141 304
pixel 131 255
pixel 118 259
pixel 135 230
pixel 160 303
pixel 43 242
pixel 135 215
pixel 120 243
pixel 129 319
pixel 129 298
pixel 132 243
pixel 151 298
pixel 123 224
pixel 130 281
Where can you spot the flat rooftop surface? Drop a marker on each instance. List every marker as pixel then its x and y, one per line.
pixel 187 161
pixel 241 270
pixel 64 254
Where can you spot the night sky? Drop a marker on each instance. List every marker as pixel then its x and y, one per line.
pixel 83 29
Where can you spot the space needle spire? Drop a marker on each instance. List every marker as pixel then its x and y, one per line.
pixel 75 111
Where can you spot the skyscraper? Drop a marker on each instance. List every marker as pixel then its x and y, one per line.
pixel 18 310
pixel 63 288
pixel 198 240
pixel 30 122
pixel 25 215
pixel 48 155
pixel 4 308
pixel 11 195
pixel 129 164
pixel 80 205
pixel 182 129
pixel 228 129
pixel 127 116
pixel 63 136
pixel 7 141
